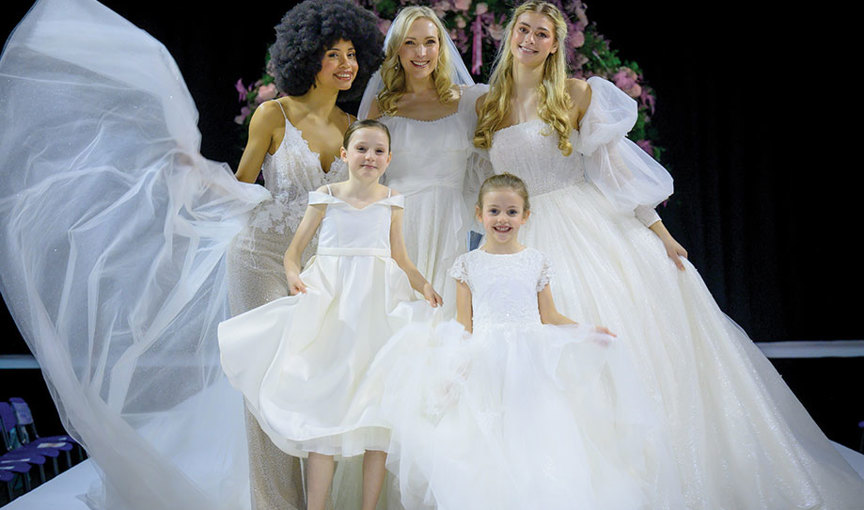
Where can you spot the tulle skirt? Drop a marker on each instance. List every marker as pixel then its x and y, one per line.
pixel 740 438
pixel 515 417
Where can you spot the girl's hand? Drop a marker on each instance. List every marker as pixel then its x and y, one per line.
pixel 675 251
pixel 295 285
pixel 605 331
pixel 431 296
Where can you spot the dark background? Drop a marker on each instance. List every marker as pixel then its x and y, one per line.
pixel 754 103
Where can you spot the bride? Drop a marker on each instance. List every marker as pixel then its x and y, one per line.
pixel 740 438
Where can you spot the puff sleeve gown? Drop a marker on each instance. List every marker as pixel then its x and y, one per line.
pixel 301 361
pixel 740 438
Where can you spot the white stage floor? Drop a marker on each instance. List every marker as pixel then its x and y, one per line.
pixel 63 491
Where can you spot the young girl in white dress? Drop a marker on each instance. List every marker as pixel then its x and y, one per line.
pixel 300 360
pixel 515 406
pixel 740 438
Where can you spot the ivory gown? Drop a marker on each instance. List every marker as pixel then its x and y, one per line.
pixel 741 440
pixel 433 167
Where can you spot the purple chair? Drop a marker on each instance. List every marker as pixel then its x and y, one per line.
pixel 22 469
pixel 30 437
pixel 8 478
pixel 14 448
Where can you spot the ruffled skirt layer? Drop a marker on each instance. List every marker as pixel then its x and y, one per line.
pixel 519 416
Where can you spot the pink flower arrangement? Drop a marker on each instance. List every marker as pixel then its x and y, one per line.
pixel 627 80
pixel 462 5
pixel 266 93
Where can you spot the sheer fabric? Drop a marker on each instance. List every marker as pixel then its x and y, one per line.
pixel 739 437
pixel 518 414
pixel 114 233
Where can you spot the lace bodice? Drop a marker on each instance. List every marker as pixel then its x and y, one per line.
pixel 503 287
pixel 290 174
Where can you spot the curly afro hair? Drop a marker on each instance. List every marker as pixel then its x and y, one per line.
pixel 312 26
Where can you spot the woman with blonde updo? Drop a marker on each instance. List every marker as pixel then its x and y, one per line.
pixel 425 96
pixel 738 436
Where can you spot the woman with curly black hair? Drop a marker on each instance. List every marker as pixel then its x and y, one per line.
pixel 324 53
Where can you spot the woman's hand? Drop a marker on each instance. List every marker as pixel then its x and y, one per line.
pixel 673 250
pixel 431 296
pixel 295 284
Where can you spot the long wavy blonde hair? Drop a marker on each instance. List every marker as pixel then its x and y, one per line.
pixel 392 74
pixel 553 99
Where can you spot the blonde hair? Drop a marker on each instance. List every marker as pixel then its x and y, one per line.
pixel 392 74
pixel 504 181
pixel 553 99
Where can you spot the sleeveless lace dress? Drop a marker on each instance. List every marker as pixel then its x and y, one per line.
pixel 256 276
pixel 740 438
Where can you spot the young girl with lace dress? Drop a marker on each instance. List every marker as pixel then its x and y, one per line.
pixel 300 360
pixel 514 406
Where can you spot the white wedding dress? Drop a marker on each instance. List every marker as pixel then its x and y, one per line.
pixel 518 414
pixel 432 164
pixel 741 440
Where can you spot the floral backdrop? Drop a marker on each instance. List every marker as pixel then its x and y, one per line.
pixel 477 29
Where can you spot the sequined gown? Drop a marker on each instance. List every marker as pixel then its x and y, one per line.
pixel 740 438
pixel 256 276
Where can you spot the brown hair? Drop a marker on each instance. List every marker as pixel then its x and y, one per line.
pixel 501 182
pixel 360 124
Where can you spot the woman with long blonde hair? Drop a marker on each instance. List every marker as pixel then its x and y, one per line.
pixel 425 96
pixel 738 437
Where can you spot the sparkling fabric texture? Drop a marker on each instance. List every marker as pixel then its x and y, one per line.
pixel 256 276
pixel 740 438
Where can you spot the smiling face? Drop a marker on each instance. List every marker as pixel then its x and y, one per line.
pixel 418 54
pixel 533 38
pixel 338 66
pixel 502 213
pixel 367 154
